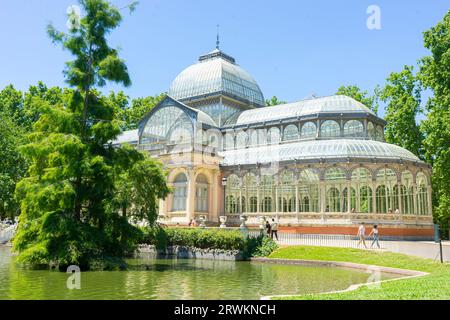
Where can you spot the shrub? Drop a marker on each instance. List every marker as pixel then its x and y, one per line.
pixel 195 238
pixel 260 246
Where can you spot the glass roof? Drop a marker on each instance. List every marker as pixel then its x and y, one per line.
pixel 130 136
pixel 316 149
pixel 216 72
pixel 331 104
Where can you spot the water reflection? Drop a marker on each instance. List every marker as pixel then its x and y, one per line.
pixel 150 278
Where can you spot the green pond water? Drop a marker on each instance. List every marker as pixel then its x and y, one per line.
pixel 175 279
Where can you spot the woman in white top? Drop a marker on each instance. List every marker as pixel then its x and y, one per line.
pixel 374 232
pixel 362 235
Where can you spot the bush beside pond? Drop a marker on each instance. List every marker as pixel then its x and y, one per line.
pixel 218 239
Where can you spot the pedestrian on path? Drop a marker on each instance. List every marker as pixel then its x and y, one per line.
pixel 274 228
pixel 362 235
pixel 374 232
pixel 268 229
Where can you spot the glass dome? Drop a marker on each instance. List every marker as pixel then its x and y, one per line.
pixel 216 73
pixel 323 105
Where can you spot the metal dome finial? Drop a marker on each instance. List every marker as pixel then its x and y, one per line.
pixel 217 39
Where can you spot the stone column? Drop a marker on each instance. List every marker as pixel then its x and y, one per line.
pixel 297 204
pixel 240 198
pixel 374 197
pixel 322 196
pixel 430 201
pixel 258 194
pixel 215 198
pixel 349 195
pixel 190 201
pixel 400 204
pixel 277 203
pixel 416 211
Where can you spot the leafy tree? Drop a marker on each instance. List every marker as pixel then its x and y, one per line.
pixel 435 75
pixel 402 93
pixel 69 212
pixel 131 115
pixel 12 164
pixel 353 91
pixel 11 103
pixel 274 102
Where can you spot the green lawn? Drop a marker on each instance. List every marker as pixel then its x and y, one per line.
pixel 433 286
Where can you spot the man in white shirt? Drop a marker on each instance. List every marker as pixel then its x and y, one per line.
pixel 362 235
pixel 274 229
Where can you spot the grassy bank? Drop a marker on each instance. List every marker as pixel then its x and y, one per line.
pixel 433 286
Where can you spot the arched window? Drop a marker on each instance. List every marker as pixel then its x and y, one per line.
pixel 230 204
pixel 232 190
pixel 242 205
pixel 201 194
pixel 381 197
pixel 262 136
pixel 249 191
pixel 266 204
pixel 361 181
pixel 330 129
pixel 179 192
pixel 282 204
pixel 253 204
pixel 422 194
pixel 305 204
pixel 290 133
pixel 406 193
pixel 335 183
pixel 253 138
pixel 212 137
pixel 286 191
pixel 365 199
pixel 353 128
pixel 273 136
pixel 352 199
pixel 241 140
pixel 308 190
pixel 308 130
pixel 379 133
pixel 229 141
pixel 386 181
pixel 333 200
pixel 267 193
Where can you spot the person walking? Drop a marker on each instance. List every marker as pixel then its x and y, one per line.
pixel 362 235
pixel 268 229
pixel 374 232
pixel 274 228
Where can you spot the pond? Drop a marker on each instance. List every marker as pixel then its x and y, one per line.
pixel 176 279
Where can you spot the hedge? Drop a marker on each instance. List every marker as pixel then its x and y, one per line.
pixel 195 238
pixel 209 239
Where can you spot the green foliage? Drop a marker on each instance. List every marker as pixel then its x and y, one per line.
pixel 402 93
pixel 81 192
pixel 435 75
pixel 195 238
pixel 266 247
pixel 353 91
pixel 12 164
pixel 130 115
pixel 260 246
pixel 274 101
pixel 210 239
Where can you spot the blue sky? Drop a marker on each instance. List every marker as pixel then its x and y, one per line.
pixel 292 48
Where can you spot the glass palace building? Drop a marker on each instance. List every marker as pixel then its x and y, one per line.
pixel 319 165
